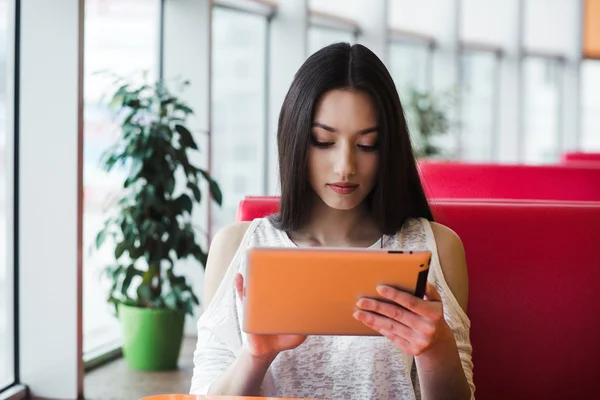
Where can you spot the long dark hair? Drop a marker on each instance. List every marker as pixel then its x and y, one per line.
pixel 397 194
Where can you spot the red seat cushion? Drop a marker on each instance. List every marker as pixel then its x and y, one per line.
pixel 534 269
pixel 482 181
pixel 253 207
pixel 533 276
pixel 580 156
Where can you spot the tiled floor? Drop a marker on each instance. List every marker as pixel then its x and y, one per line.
pixel 116 381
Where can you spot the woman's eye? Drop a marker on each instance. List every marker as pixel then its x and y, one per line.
pixel 323 145
pixel 367 148
pixel 319 144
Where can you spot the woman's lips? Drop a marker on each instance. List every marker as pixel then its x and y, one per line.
pixel 343 188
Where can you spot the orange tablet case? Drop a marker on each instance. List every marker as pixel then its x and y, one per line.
pixel 314 291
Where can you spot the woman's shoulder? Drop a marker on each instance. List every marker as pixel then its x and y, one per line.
pixel 222 250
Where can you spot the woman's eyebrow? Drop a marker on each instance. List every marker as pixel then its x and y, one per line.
pixel 331 129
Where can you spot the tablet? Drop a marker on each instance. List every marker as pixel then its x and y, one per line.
pixel 313 291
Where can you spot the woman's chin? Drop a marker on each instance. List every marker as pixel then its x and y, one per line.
pixel 338 203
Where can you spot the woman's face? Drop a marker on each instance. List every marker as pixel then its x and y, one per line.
pixel 343 153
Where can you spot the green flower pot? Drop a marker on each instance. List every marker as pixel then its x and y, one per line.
pixel 151 337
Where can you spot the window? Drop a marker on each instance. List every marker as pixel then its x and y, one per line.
pixel 238 109
pixel 6 282
pixel 542 78
pixel 425 17
pixel 590 106
pixel 319 37
pixel 120 37
pixel 410 65
pixel 479 84
pixel 347 9
pixel 482 23
pixel 551 26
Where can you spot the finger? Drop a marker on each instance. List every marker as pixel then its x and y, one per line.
pixel 379 323
pixel 239 285
pixel 431 293
pixel 392 311
pixel 418 306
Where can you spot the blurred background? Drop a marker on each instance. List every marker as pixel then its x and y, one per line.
pixel 511 81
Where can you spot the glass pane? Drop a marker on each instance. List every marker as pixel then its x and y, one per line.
pixel 119 37
pixel 421 16
pixel 6 283
pixel 345 9
pixel 551 25
pixel 590 106
pixel 479 78
pixel 238 109
pixel 320 37
pixel 542 93
pixel 409 65
pixel 488 21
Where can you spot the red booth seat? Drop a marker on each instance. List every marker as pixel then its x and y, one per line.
pixel 580 157
pixel 534 270
pixel 455 180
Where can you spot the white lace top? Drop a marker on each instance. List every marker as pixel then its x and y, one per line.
pixel 326 367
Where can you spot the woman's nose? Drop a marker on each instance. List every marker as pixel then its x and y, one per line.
pixel 345 163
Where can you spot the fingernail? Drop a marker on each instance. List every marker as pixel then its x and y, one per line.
pixel 357 314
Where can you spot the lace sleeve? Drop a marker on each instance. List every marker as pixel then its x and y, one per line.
pixel 219 334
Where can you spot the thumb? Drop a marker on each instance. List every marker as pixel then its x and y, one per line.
pixel 239 285
pixel 431 293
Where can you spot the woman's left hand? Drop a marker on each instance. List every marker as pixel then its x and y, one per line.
pixel 414 325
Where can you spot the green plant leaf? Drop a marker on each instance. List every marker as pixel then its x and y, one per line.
pixel 194 298
pixel 170 185
pixel 190 307
pixel 215 191
pixel 171 301
pixel 184 202
pixel 120 249
pixel 195 191
pixel 100 238
pixel 184 108
pixel 131 272
pixel 144 295
pixel 186 137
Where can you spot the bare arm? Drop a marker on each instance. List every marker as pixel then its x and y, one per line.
pixel 246 374
pixel 244 377
pixel 222 249
pixel 441 373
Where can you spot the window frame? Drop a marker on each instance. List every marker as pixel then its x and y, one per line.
pixel 14 390
pixel 113 350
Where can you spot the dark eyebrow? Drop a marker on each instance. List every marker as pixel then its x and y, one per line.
pixel 330 129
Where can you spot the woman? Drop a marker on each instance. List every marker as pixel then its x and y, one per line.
pixel 348 178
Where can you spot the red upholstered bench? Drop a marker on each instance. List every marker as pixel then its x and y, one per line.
pixel 534 271
pixel 482 181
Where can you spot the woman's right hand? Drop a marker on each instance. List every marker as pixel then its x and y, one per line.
pixel 267 346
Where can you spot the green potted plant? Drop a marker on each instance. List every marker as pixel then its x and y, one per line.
pixel 151 226
pixel 427 117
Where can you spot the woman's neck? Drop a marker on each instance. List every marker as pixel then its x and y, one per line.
pixel 336 228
